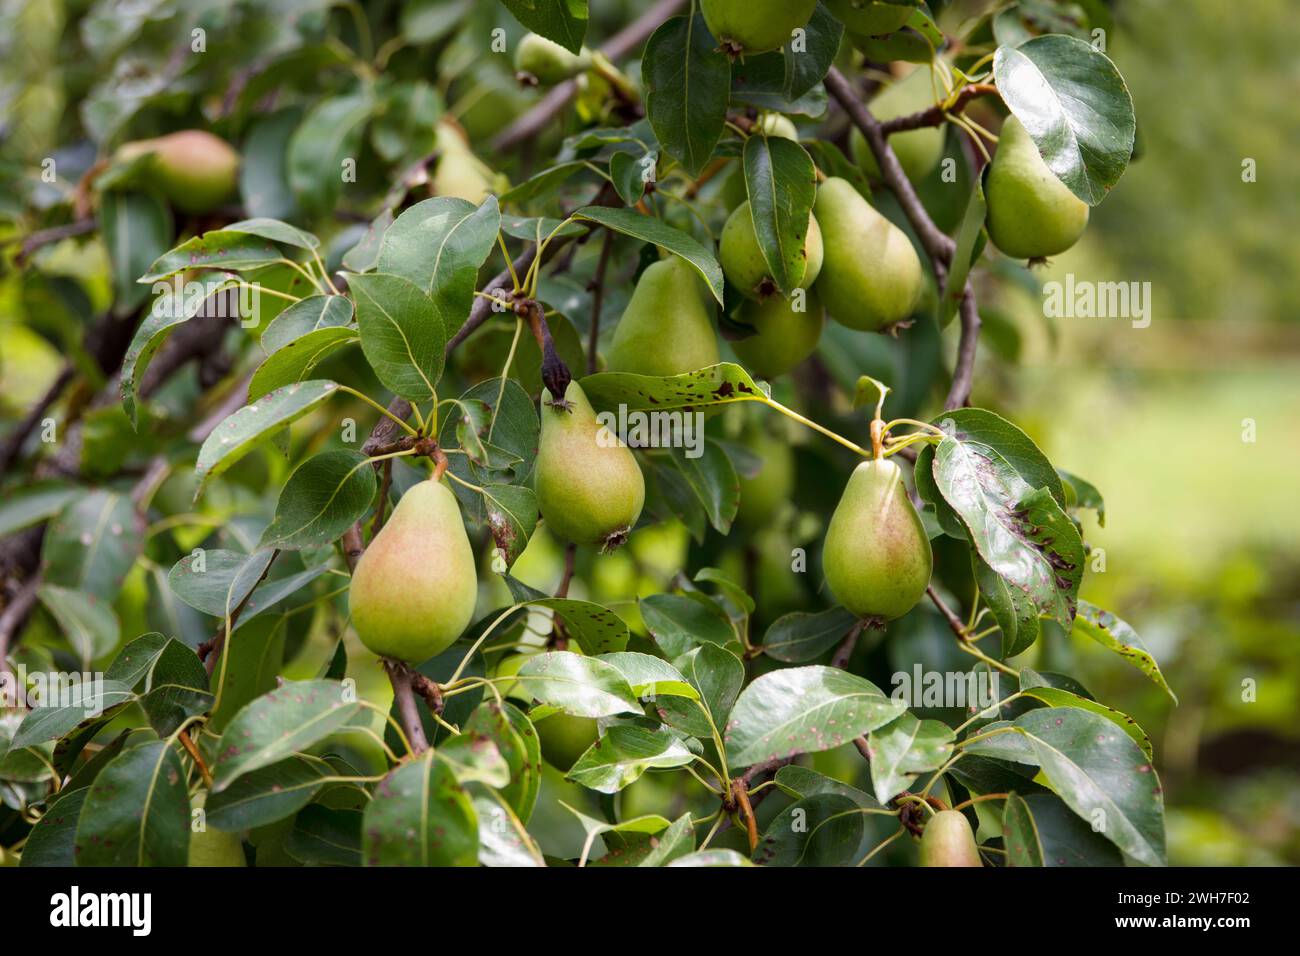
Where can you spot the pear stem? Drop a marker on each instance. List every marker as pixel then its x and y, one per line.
pixel 404 699
pixel 790 412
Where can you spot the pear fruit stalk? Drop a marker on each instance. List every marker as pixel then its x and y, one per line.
pixel 876 557
pixel 666 327
pixel 947 840
pixel 590 489
pixel 1031 213
pixel 414 589
pixel 871 277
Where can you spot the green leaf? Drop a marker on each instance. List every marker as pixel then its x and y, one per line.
pixel 1057 697
pixel 402 333
pixel 276 725
pixel 298 360
pixel 1021 533
pixel 81 704
pixel 137 229
pixel 964 257
pixel 623 754
pixel 93 543
pixel 804 710
pixel 799 637
pixel 276 231
pixel 545 182
pixel 718 675
pixel 89 624
pixel 712 479
pixel 781 183
pixel 439 244
pixel 218 249
pixel 1111 632
pixel 805 70
pixel 1074 105
pixel 642 849
pixel 711 858
pixel 511 514
pixel 902 750
pixel 1102 775
pixel 678 622
pixel 721 384
pixel 650 676
pixel 311 314
pixel 420 816
pixel 1083 494
pixel 502 838
pixel 263 179
pixel 563 21
pixel 239 433
pixel 137 812
pixel 176 688
pixel 39 500
pixel 1019 834
pixel 631 172
pixel 580 686
pixel 330 133
pixel 215 582
pixel 649 229
pixel 799 782
pixel 53 840
pixel 324 497
pixel 688 82
pixel 821 830
pixel 267 795
pixel 326 837
pixel 1066 839
pixel 1014 612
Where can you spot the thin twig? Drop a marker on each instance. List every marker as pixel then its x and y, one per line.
pixel 408 714
pixel 954 622
pixel 935 115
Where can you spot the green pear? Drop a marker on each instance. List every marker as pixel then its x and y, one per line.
pixel 414 589
pixel 459 172
pixel 564 738
pixel 871 277
pixel 195 171
pixel 549 62
pixel 212 847
pixel 876 557
pixel 783 335
pixel 590 489
pixel 508 668
pixel 1031 213
pixel 666 327
pixel 747 27
pixel 869 17
pixel 774 124
pixel 947 840
pixel 918 150
pixel 742 259
pixel 762 496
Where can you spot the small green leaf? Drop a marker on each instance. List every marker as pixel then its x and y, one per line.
pixel 649 229
pixel 324 497
pixel 137 812
pixel 1111 632
pixel 1020 834
pixel 402 333
pixel 623 754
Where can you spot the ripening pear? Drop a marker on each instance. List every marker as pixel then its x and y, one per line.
pixel 212 847
pixel 747 27
pixel 876 557
pixel 194 170
pixel 871 277
pixel 590 489
pixel 459 172
pixel 1031 213
pixel 414 589
pixel 742 259
pixel 947 840
pixel 565 738
pixel 666 327
pixel 549 62
pixel 869 17
pixel 784 334
pixel 762 496
pixel 918 150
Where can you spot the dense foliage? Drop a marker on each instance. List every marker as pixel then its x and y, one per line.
pixel 327 436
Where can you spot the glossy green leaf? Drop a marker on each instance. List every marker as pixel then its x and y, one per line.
pixel 781 184
pixel 324 497
pixel 822 830
pixel 137 812
pixel 580 686
pixel 298 360
pixel 420 816
pixel 678 622
pixel 311 314
pixel 218 249
pixel 1111 632
pixel 902 750
pixel 623 754
pixel 650 676
pixel 402 333
pixel 649 229
pixel 502 838
pixel 688 82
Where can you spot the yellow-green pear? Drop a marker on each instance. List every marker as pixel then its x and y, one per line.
pixel 871 277
pixel 590 489
pixel 195 170
pixel 212 847
pixel 507 668
pixel 1031 213
pixel 747 27
pixel 742 259
pixel 786 331
pixel 666 327
pixel 876 557
pixel 918 150
pixel 564 738
pixel 869 17
pixel 547 61
pixel 774 124
pixel 762 496
pixel 947 840
pixel 459 172
pixel 414 589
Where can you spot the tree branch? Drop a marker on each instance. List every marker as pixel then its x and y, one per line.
pixel 939 246
pixel 408 714
pixel 14 614
pixel 543 113
pixel 954 622
pixel 936 115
